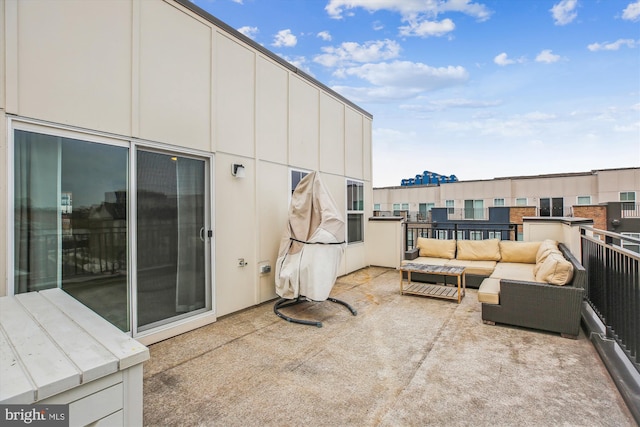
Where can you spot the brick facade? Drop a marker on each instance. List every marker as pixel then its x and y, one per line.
pixel 598 213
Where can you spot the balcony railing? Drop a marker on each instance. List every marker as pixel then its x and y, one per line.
pixel 613 287
pixel 460 231
pixel 630 210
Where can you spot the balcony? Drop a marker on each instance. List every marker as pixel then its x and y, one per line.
pixel 403 360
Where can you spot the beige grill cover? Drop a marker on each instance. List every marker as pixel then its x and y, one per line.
pixel 307 269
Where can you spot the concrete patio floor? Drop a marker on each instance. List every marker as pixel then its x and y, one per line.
pixel 402 361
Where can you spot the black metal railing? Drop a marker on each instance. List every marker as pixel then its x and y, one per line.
pixel 460 231
pixel 613 286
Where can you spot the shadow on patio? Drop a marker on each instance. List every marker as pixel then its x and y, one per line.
pixel 403 360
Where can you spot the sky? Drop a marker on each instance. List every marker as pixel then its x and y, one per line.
pixel 477 89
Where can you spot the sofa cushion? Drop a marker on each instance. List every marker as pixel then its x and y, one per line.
pixel 479 250
pixel 489 291
pixel 437 248
pixel 524 252
pixel 514 271
pixel 427 260
pixel 556 270
pixel 547 247
pixel 480 268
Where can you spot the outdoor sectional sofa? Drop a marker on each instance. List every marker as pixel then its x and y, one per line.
pixel 537 285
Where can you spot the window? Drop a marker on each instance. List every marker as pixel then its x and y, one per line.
pixel 498 202
pixel 475 235
pixel 521 201
pixel 441 234
pixel 632 246
pixel 450 205
pixel 583 200
pixel 473 209
pixel 296 177
pixel 396 206
pixel 376 207
pixel 355 211
pixel 628 196
pixel 551 206
pixel 405 206
pixel 495 235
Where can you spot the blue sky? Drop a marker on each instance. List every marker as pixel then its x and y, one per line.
pixel 479 89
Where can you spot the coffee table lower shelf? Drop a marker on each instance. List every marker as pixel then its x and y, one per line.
pixel 431 290
pixel 455 293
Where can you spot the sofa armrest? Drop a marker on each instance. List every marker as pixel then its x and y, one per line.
pixel 411 254
pixel 579 279
pixel 537 305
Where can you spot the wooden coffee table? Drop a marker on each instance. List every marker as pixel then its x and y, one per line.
pixel 433 290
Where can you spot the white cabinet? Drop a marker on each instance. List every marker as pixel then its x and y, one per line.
pixel 55 350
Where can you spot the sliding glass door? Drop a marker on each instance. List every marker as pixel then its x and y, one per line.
pixel 140 262
pixel 172 237
pixel 70 221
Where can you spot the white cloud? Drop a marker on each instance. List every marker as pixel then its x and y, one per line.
pixel 324 35
pixel 464 103
pixel 284 38
pixel 409 74
pixel 299 62
pixel 547 56
pixel 564 12
pixel 503 59
pixel 399 80
pixel 237 1
pixel 410 8
pixel 632 11
pixel 630 43
pixel 352 52
pixel 428 28
pixel 249 31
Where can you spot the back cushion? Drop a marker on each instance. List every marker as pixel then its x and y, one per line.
pixel 437 248
pixel 477 250
pixel 524 252
pixel 555 269
pixel 546 247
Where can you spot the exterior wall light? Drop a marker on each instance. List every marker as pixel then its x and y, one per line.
pixel 237 170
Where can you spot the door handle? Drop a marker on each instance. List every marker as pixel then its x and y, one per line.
pixel 202 234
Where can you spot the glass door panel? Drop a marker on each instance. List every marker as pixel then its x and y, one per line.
pixel 171 231
pixel 70 227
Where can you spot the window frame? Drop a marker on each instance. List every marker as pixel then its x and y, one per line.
pixel 498 204
pixel 525 201
pixel 579 203
pixel 359 212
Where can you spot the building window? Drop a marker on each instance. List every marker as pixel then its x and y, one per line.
pixel 521 201
pixel 632 246
pixel 450 205
pixel 475 235
pixel 355 211
pixel 630 197
pixel 583 200
pixel 498 202
pixel 551 206
pixel 405 206
pixel 376 207
pixel 495 235
pixel 296 177
pixel 441 234
pixel 473 209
